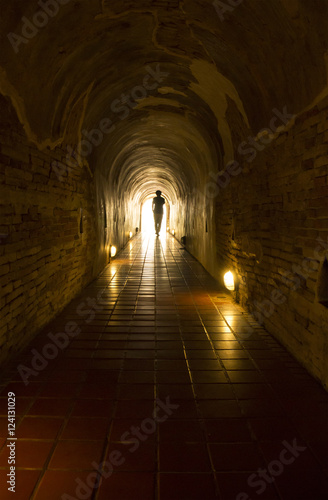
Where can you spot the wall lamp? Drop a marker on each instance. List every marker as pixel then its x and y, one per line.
pixel 130 234
pixel 230 281
pixel 112 251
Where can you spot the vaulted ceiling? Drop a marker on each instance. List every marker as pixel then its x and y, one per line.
pixel 167 83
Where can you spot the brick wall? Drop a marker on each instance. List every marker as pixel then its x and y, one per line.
pixel 44 258
pixel 272 228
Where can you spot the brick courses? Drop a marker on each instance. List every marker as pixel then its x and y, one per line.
pixel 281 203
pixel 44 260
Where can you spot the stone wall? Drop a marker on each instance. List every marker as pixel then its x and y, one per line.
pixel 45 258
pixel 272 229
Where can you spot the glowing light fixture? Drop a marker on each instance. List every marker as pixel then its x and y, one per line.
pixel 113 251
pixel 229 281
pixel 130 234
pixel 173 232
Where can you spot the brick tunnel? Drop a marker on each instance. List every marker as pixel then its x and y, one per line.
pixel 130 367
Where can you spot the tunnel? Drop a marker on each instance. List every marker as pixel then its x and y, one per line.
pixel 223 107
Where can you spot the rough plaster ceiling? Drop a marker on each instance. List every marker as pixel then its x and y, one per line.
pixel 66 77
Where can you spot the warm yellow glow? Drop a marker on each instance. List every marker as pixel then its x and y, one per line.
pixel 173 232
pixel 167 229
pixel 229 281
pixel 147 219
pixel 130 234
pixel 113 251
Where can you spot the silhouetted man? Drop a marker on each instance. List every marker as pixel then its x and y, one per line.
pixel 158 203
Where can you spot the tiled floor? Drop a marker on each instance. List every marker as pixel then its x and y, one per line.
pixel 175 390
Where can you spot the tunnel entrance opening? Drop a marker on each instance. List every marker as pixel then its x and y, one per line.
pixel 147 219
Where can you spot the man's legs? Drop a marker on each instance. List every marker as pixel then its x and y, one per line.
pixel 158 222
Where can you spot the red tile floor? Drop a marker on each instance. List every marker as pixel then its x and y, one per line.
pixel 169 392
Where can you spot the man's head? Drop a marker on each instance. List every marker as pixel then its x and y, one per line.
pixel 158 193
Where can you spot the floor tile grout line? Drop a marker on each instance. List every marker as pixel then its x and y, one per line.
pixel 51 452
pixel 106 447
pixel 230 382
pixel 200 416
pixel 116 402
pixel 56 441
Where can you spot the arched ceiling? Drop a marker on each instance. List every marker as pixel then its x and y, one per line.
pixel 166 74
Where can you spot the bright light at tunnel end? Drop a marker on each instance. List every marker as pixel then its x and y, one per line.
pixel 147 219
